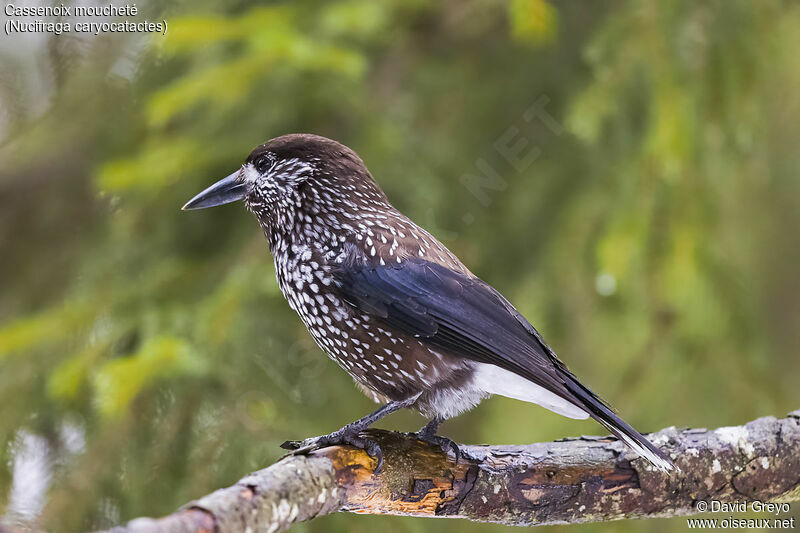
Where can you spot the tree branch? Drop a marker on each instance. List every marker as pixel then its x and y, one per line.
pixel 571 481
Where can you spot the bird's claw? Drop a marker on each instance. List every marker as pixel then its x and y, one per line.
pixel 291 444
pixel 300 447
pixel 442 442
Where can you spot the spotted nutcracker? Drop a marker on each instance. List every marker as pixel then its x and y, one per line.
pixel 391 304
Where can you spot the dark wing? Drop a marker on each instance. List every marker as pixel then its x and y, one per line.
pixel 448 310
pixel 466 317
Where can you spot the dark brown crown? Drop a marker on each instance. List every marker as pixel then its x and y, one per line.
pixel 312 148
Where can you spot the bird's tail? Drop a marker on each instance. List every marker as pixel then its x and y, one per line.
pixel 603 414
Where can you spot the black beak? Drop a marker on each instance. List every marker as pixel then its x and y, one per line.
pixel 225 191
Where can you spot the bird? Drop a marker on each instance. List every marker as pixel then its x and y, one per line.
pixel 393 306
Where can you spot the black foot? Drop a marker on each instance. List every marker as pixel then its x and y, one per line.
pixel 350 438
pixel 442 442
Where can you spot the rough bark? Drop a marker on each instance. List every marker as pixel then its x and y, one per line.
pixel 571 481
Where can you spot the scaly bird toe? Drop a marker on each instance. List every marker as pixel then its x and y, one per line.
pixel 442 442
pixel 337 439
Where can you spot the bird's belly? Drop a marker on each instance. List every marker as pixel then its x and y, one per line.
pixel 389 365
pixel 385 363
pixel 448 400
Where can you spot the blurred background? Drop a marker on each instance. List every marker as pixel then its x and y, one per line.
pixel 625 172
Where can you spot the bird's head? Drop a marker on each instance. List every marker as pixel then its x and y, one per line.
pixel 293 173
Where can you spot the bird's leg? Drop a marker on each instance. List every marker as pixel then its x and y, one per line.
pixel 349 434
pixel 428 434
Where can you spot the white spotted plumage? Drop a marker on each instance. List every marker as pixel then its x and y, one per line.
pixel 320 215
pixel 309 241
pixel 314 219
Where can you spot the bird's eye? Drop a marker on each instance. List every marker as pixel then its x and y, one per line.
pixel 263 163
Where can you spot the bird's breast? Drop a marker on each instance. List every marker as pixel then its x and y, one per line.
pixel 390 363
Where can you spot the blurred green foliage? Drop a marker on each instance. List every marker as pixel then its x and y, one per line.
pixel 650 230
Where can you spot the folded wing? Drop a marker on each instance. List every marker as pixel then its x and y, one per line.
pixel 468 318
